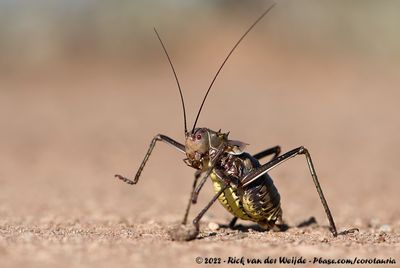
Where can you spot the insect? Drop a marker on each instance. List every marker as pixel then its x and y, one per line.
pixel 241 184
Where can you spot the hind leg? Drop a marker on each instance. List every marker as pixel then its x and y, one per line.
pixel 233 222
pixel 256 173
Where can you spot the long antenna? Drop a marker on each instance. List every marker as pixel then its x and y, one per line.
pixel 176 78
pixel 226 59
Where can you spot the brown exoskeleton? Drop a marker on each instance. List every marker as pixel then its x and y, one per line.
pixel 241 183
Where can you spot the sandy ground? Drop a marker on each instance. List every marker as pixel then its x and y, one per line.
pixel 65 133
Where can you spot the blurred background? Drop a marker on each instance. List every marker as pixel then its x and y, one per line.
pixel 84 87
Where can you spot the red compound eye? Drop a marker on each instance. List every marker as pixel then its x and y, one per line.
pixel 198 136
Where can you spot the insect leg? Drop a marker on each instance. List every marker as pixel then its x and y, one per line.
pixel 158 137
pixel 233 222
pixel 184 232
pixel 196 178
pixel 213 161
pixel 252 176
pixel 204 210
pixel 274 150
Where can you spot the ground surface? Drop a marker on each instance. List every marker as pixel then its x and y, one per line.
pixel 65 134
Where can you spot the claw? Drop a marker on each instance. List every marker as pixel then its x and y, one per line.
pixel 349 231
pixel 122 178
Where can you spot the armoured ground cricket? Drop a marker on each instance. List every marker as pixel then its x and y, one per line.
pixel 241 184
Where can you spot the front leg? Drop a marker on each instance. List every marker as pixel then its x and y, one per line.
pixel 213 162
pixel 158 137
pixel 196 178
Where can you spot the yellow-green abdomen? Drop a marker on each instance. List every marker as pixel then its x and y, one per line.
pixel 260 203
pixel 229 199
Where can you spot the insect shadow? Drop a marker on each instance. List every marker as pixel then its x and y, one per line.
pixel 280 228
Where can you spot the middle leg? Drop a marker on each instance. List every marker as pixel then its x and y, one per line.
pixel 196 178
pixel 183 233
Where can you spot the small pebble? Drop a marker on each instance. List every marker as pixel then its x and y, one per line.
pixel 151 222
pixel 385 228
pixel 213 226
